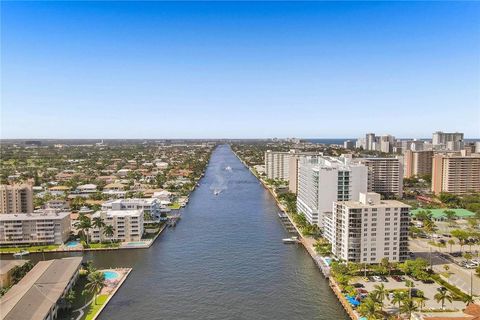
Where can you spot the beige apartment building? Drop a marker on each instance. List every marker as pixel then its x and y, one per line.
pixel 369 229
pixel 16 198
pixel 34 228
pixel 276 164
pixel 417 163
pixel 385 176
pixel 284 165
pixel 127 225
pixel 455 173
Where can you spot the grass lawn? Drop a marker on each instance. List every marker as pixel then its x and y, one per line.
pixel 174 206
pixel 30 248
pixel 93 308
pixel 104 245
pixel 80 301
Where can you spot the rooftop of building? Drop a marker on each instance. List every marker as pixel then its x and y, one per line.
pixel 33 216
pixel 373 200
pixel 132 200
pixel 119 213
pixel 39 290
pixel 7 265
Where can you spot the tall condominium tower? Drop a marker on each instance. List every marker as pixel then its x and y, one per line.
pixel 369 229
pixel 323 180
pixel 16 198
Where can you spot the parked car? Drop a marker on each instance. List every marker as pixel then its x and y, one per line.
pixel 384 279
pixel 428 281
pixel 377 278
pixel 397 278
pixel 358 285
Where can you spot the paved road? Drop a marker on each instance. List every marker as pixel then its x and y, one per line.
pixel 460 277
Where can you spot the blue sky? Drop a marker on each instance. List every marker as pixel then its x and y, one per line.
pixel 193 70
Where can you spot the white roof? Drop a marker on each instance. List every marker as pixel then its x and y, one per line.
pixel 87 186
pixel 119 213
pixel 33 216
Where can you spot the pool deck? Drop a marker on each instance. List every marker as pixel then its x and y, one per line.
pixel 112 293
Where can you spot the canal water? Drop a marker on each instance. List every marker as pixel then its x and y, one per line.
pixel 224 260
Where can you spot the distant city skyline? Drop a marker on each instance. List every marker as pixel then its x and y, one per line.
pixel 239 70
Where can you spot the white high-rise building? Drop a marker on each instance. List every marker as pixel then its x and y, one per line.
pixel 323 180
pixel 369 229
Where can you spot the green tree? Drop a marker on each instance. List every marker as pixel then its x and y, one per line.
pixel 450 215
pixel 109 231
pixel 443 295
pixel 98 223
pixel 96 282
pixel 451 242
pixel 370 309
pixel 381 292
pixel 397 298
pixel 408 307
pixel 409 284
pixel 84 224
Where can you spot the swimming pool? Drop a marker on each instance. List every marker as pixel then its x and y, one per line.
pixel 110 275
pixel 327 260
pixel 136 244
pixel 71 244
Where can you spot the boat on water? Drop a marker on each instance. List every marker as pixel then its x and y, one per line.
pixel 290 240
pixel 21 254
pixel 228 168
pixel 216 192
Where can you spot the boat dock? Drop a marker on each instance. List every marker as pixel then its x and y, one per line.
pixel 172 220
pixel 287 224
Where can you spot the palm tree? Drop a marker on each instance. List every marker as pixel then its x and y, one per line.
pixel 451 242
pixel 370 309
pixel 429 226
pixel 421 299
pixel 408 306
pixel 381 292
pixel 98 223
pixel 409 284
pixel 108 231
pixel 96 282
pixel 397 298
pixel 84 224
pixel 441 296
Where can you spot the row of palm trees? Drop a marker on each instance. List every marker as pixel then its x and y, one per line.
pixel 85 224
pixel 372 306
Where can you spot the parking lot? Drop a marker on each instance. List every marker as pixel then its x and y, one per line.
pixel 459 276
pixel 429 290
